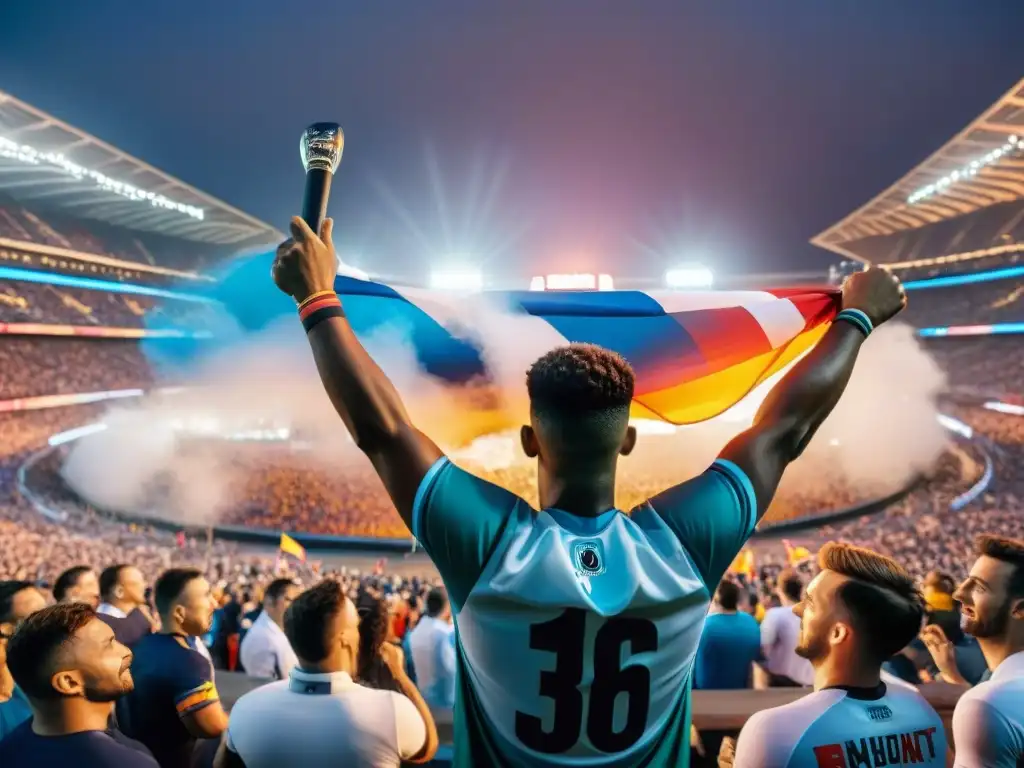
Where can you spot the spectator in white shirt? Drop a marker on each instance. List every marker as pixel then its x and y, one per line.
pixel 320 717
pixel 780 634
pixel 988 722
pixel 122 590
pixel 265 651
pixel 432 643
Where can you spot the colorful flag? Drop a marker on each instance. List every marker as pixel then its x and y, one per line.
pixel 695 353
pixel 795 555
pixel 290 546
pixel 743 563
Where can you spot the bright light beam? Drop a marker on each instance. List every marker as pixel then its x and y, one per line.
pixel 689 277
pixel 457 279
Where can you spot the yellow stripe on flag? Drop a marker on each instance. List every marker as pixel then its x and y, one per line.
pixel 290 546
pixel 708 396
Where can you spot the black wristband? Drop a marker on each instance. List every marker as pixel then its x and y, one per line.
pixel 320 315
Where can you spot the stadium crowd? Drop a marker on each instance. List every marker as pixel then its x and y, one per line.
pixel 921 532
pixel 26 302
pixel 25 225
pixel 53 365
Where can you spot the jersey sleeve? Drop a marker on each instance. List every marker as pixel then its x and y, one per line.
pixel 194 688
pixel 982 736
pixel 712 515
pixel 458 518
pixel 760 745
pixel 410 730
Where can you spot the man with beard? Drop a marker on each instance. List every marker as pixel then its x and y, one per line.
pixel 856 613
pixel 175 701
pixel 988 723
pixel 72 670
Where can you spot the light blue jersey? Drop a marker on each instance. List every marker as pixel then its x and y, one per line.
pixel 576 636
pixel 891 726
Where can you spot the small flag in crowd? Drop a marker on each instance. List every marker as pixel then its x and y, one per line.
pixel 743 564
pixel 795 555
pixel 290 546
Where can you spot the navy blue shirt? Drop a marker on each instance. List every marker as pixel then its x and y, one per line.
pixel 88 749
pixel 130 629
pixel 172 680
pixel 729 644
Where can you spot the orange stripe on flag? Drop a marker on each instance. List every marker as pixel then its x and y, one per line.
pixel 290 546
pixel 712 395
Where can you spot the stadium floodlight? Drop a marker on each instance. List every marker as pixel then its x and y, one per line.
pixel 583 281
pixel 457 279
pixel 1013 144
pixel 12 150
pixel 689 277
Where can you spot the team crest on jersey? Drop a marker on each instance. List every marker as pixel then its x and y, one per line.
pixel 588 559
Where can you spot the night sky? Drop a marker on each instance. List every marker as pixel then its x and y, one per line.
pixel 530 134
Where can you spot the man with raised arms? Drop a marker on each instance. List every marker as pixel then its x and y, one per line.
pixel 576 625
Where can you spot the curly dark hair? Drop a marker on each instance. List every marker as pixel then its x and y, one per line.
pixel 580 378
pixel 373 633
pixel 881 596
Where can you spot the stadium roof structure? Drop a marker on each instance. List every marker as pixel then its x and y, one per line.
pixel 46 161
pixel 981 166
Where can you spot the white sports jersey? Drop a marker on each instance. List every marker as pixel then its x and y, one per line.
pixel 845 728
pixel 988 723
pixel 576 636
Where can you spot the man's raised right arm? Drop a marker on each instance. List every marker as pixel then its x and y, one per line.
pixel 457 517
pixel 361 393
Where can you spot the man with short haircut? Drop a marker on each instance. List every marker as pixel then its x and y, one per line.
pixel 18 601
pixel 175 702
pixel 988 723
pixel 556 609
pixel 77 584
pixel 319 717
pixel 432 644
pixel 780 633
pixel 858 611
pixel 729 644
pixel 123 606
pixel 72 670
pixel 265 651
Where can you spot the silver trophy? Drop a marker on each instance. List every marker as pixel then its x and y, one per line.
pixel 320 148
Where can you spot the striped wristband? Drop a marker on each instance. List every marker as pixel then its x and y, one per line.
pixel 318 310
pixel 314 296
pixel 858 319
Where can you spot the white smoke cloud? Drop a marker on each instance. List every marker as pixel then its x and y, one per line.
pixel 881 434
